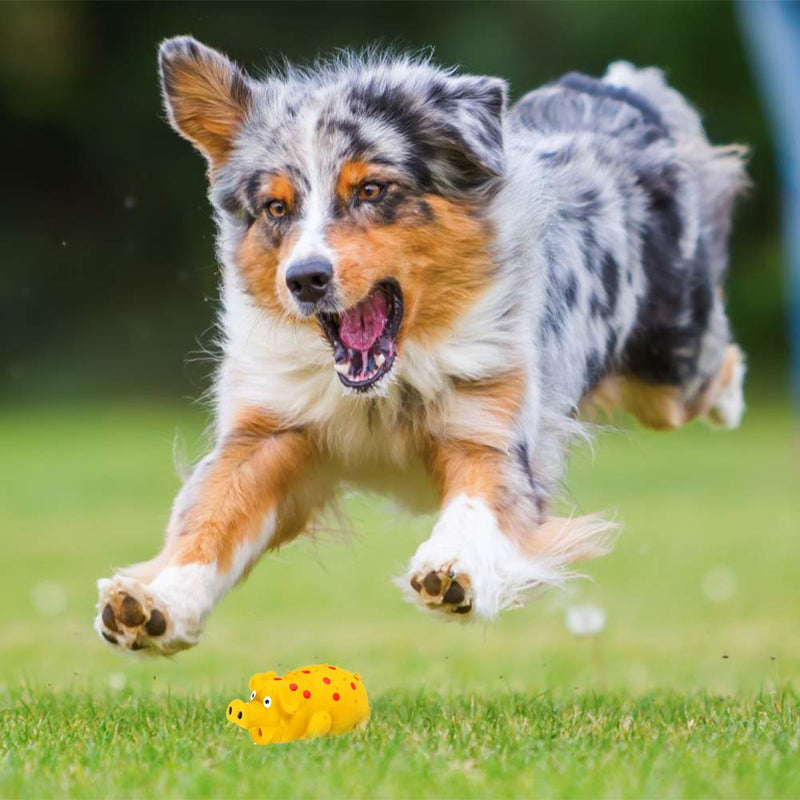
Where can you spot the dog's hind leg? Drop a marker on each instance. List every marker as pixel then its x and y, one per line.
pixel 725 402
pixel 719 400
pixel 249 494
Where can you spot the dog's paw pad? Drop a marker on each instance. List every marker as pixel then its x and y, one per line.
pixel 157 623
pixel 127 619
pixel 130 612
pixel 444 590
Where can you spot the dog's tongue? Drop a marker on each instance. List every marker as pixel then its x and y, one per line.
pixel 364 323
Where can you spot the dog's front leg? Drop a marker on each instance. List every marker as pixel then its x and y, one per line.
pixel 491 545
pixel 241 499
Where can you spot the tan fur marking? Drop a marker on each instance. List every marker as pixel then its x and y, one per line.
pixel 733 357
pixel 256 466
pixel 466 468
pixel 277 187
pixel 260 259
pixel 659 407
pixel 352 175
pixel 441 263
pixel 487 411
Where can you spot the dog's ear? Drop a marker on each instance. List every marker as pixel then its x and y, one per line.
pixel 467 113
pixel 205 95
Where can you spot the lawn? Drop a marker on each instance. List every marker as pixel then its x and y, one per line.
pixel 690 689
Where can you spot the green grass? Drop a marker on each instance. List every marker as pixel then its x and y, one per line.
pixel 691 689
pixel 419 744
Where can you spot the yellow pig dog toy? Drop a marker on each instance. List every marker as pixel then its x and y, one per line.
pixel 319 700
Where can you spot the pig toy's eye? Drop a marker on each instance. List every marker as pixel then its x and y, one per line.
pixel 253 695
pixel 267 702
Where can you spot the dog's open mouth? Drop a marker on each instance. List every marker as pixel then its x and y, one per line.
pixel 364 337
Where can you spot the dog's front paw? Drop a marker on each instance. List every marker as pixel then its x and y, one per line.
pixel 133 616
pixel 444 589
pixel 469 568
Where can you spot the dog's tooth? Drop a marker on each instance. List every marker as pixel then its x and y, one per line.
pixel 380 360
pixel 343 368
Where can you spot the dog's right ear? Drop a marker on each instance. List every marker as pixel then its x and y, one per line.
pixel 206 96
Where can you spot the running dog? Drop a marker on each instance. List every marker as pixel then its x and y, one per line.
pixel 424 293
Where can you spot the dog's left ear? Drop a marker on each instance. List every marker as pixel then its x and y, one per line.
pixel 467 112
pixel 206 96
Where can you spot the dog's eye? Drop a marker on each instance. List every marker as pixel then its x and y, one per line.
pixel 253 695
pixel 370 191
pixel 267 702
pixel 276 209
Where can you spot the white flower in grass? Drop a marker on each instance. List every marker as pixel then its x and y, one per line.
pixel 49 598
pixel 585 620
pixel 116 681
pixel 719 584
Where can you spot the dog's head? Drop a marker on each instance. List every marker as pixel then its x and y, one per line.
pixel 349 197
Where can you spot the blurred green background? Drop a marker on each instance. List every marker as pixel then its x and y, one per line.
pixel 109 292
pixel 108 268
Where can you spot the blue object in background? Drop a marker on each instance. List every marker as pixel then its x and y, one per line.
pixel 771 28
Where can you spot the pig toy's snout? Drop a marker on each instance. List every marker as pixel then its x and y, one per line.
pixel 237 713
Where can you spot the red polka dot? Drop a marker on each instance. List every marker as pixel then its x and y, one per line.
pixel 293 687
pixel 353 686
pixel 331 667
pixel 336 695
pixel 306 672
pixel 326 680
pixel 277 679
pixel 306 694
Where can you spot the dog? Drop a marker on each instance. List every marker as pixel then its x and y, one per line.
pixel 427 294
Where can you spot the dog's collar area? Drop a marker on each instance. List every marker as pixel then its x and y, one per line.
pixel 364 337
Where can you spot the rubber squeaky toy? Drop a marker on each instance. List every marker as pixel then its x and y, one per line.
pixel 319 700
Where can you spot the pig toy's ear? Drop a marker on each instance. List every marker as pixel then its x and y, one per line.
pixel 288 697
pixel 259 678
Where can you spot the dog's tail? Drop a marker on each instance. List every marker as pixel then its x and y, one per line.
pixel 713 176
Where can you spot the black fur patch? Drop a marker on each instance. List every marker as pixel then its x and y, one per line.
pixel 584 83
pixel 555 304
pixel 251 191
pixel 672 318
pixel 609 271
pixel 595 365
pixel 587 205
pixel 425 210
pixel 392 108
pixel 579 103
pixel 357 146
pixel 571 290
pixel 557 158
pixel 428 140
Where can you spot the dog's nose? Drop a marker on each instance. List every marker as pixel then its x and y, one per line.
pixel 308 280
